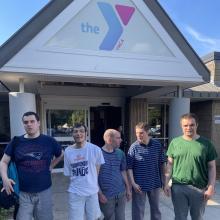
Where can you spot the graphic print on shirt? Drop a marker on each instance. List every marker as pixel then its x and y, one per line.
pixel 33 158
pixel 36 155
pixel 80 166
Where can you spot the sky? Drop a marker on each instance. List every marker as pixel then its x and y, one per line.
pixel 196 20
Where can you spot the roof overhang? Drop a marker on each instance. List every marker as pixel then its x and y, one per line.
pixel 28 55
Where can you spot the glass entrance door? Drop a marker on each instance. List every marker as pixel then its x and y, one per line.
pixel 158 122
pixel 59 124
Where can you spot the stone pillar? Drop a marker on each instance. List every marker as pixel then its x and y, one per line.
pixel 19 103
pixel 178 107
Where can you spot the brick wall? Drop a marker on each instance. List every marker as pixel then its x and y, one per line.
pixel 217 71
pixel 216 129
pixel 211 66
pixel 204 111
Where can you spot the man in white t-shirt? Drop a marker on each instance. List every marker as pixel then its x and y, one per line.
pixel 82 162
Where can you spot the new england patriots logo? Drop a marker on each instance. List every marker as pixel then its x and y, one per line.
pixel 36 155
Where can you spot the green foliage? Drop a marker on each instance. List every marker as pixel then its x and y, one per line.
pixel 6 214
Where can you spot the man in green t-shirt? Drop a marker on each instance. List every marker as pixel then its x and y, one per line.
pixel 192 169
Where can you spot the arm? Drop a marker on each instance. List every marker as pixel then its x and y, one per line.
pixel 136 187
pixel 163 171
pixel 97 169
pixel 99 160
pixel 212 177
pixel 163 160
pixel 167 175
pixel 102 197
pixel 55 161
pixel 127 185
pixel 7 183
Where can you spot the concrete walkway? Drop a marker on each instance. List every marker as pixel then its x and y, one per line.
pixel 60 184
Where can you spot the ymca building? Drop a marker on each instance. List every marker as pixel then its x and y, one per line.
pixel 104 63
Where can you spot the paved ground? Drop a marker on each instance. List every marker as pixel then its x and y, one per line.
pixel 60 184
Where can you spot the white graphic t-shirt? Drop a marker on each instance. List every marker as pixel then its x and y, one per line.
pixel 80 164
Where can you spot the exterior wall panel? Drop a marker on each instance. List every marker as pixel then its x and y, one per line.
pixel 216 128
pixel 138 112
pixel 204 111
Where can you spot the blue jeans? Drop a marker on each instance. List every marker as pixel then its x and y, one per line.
pixel 139 201
pixel 187 198
pixel 35 205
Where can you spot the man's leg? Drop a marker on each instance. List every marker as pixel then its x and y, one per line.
pixel 43 209
pixel 197 203
pixel 108 209
pixel 180 201
pixel 76 207
pixel 120 207
pixel 26 207
pixel 92 208
pixel 138 205
pixel 153 197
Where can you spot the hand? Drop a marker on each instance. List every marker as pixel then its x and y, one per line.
pixel 102 197
pixel 128 194
pixel 209 193
pixel 137 188
pixel 51 168
pixel 167 190
pixel 8 186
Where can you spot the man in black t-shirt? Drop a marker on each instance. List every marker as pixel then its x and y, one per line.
pixel 33 156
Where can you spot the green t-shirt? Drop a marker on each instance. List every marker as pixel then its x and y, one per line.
pixel 190 160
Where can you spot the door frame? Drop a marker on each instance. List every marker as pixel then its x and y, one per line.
pixel 82 102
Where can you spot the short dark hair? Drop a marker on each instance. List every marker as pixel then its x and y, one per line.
pixel 31 113
pixel 78 125
pixel 143 125
pixel 190 116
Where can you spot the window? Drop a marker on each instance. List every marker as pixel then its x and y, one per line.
pixel 158 122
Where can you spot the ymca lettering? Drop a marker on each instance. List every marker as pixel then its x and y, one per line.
pixel 88 28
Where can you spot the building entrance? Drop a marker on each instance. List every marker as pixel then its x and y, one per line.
pixel 157 115
pixel 102 118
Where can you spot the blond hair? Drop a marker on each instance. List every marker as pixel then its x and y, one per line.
pixel 109 133
pixel 189 116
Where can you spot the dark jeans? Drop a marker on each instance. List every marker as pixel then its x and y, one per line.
pixel 187 198
pixel 139 201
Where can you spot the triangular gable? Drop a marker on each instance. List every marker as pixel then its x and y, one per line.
pixel 112 39
pixel 110 26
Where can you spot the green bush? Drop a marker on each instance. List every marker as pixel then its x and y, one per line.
pixel 6 214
